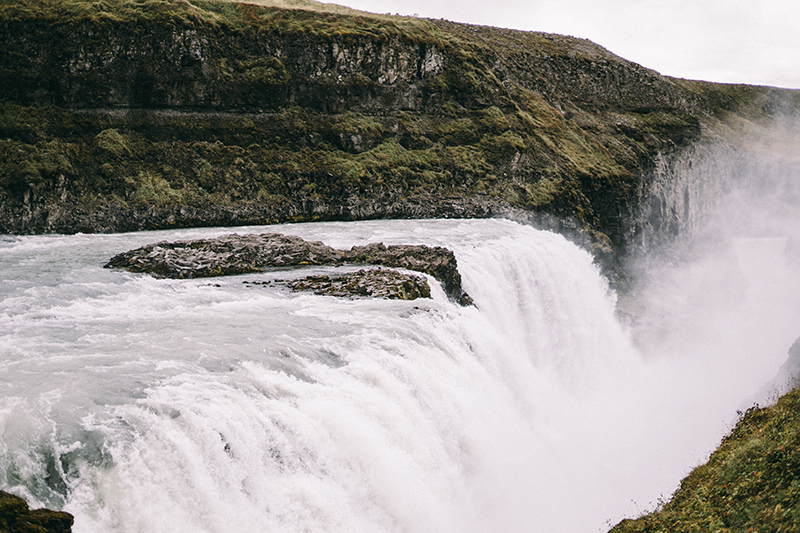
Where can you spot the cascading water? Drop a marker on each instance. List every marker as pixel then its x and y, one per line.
pixel 152 405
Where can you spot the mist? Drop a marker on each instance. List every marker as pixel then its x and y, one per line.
pixel 716 306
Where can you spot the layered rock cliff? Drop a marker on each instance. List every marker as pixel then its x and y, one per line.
pixel 131 115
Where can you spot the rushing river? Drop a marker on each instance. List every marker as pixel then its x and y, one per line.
pixel 147 405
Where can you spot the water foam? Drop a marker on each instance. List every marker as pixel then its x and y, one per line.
pixel 196 405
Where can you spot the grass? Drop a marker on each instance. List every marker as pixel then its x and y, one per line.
pixel 284 17
pixel 750 483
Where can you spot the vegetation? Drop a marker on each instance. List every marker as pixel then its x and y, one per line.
pixel 283 17
pixel 755 103
pixel 750 483
pixel 297 151
pixel 17 517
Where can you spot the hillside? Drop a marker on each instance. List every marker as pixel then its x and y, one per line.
pixel 127 115
pixel 750 483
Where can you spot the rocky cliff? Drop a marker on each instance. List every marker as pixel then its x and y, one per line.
pixel 129 115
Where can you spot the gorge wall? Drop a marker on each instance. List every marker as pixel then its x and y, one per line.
pixel 142 115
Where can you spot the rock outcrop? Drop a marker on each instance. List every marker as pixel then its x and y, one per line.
pixel 437 261
pixel 16 517
pixel 239 254
pixel 371 283
pixel 225 256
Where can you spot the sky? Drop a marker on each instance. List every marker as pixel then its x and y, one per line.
pixel 732 41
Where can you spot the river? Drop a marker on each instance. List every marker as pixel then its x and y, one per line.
pixel 212 405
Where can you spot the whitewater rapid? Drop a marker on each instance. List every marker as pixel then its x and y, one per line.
pixel 140 404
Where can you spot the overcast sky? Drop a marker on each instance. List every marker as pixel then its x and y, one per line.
pixel 739 41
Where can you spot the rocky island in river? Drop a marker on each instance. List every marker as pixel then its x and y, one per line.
pixel 240 254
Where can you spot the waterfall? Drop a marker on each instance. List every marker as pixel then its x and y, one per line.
pixel 140 404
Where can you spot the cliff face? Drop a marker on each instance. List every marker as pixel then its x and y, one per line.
pixel 122 64
pixel 142 114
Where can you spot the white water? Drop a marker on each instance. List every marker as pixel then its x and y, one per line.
pixel 145 405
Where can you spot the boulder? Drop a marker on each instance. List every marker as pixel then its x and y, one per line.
pixel 224 256
pixel 437 261
pixel 239 254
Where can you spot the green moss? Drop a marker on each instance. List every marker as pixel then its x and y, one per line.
pixel 112 141
pixel 265 72
pixel 501 147
pixel 492 120
pixel 459 131
pixel 21 123
pixel 32 166
pixel 542 191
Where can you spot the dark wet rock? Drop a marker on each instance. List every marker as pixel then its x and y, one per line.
pixel 16 517
pixel 224 256
pixel 374 283
pixel 239 254
pixel 437 261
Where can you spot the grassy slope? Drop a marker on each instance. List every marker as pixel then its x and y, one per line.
pixel 750 483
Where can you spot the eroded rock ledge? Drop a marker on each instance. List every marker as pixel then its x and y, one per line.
pixel 239 254
pixel 16 517
pixel 373 283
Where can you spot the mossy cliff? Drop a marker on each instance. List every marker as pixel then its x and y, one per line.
pixel 16 517
pixel 126 115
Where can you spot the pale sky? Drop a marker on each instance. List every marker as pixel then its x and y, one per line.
pixel 736 41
